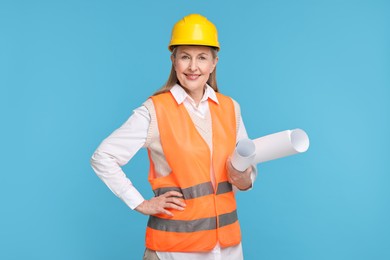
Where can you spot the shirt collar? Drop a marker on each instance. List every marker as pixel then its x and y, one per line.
pixel 180 94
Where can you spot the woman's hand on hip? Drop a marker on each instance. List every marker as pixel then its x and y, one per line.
pixel 242 180
pixel 161 204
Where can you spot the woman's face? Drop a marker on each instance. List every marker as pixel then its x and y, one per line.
pixel 193 65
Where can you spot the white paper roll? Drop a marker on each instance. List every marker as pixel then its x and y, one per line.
pixel 243 155
pixel 282 144
pixel 269 147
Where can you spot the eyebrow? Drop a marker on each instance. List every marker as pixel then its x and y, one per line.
pixel 202 53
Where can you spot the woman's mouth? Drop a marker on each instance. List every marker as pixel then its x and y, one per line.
pixel 192 76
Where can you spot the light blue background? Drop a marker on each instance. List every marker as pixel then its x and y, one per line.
pixel 72 71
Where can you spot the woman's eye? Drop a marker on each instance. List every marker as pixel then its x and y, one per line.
pixel 202 58
pixel 185 57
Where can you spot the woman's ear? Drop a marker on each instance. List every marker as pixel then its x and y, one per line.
pixel 173 60
pixel 214 64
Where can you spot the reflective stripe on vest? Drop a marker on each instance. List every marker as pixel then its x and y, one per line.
pixel 192 225
pixel 196 191
pixel 210 216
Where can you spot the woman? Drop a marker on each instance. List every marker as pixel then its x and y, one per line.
pixel 190 130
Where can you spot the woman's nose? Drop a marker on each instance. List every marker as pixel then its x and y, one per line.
pixel 193 65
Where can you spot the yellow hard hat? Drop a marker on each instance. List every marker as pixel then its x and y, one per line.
pixel 194 29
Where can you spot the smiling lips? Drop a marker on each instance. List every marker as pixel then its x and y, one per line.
pixel 192 76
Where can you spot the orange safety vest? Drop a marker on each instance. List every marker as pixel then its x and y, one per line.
pixel 210 215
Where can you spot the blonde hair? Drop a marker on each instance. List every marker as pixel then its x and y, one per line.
pixel 172 79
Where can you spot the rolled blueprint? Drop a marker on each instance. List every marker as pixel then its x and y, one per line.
pixel 282 144
pixel 269 147
pixel 244 154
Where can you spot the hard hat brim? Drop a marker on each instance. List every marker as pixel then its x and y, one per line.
pixel 171 47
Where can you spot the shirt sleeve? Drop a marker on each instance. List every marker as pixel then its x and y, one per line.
pixel 116 150
pixel 241 133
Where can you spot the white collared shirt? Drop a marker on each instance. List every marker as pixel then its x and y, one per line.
pixel 118 148
pixel 202 109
